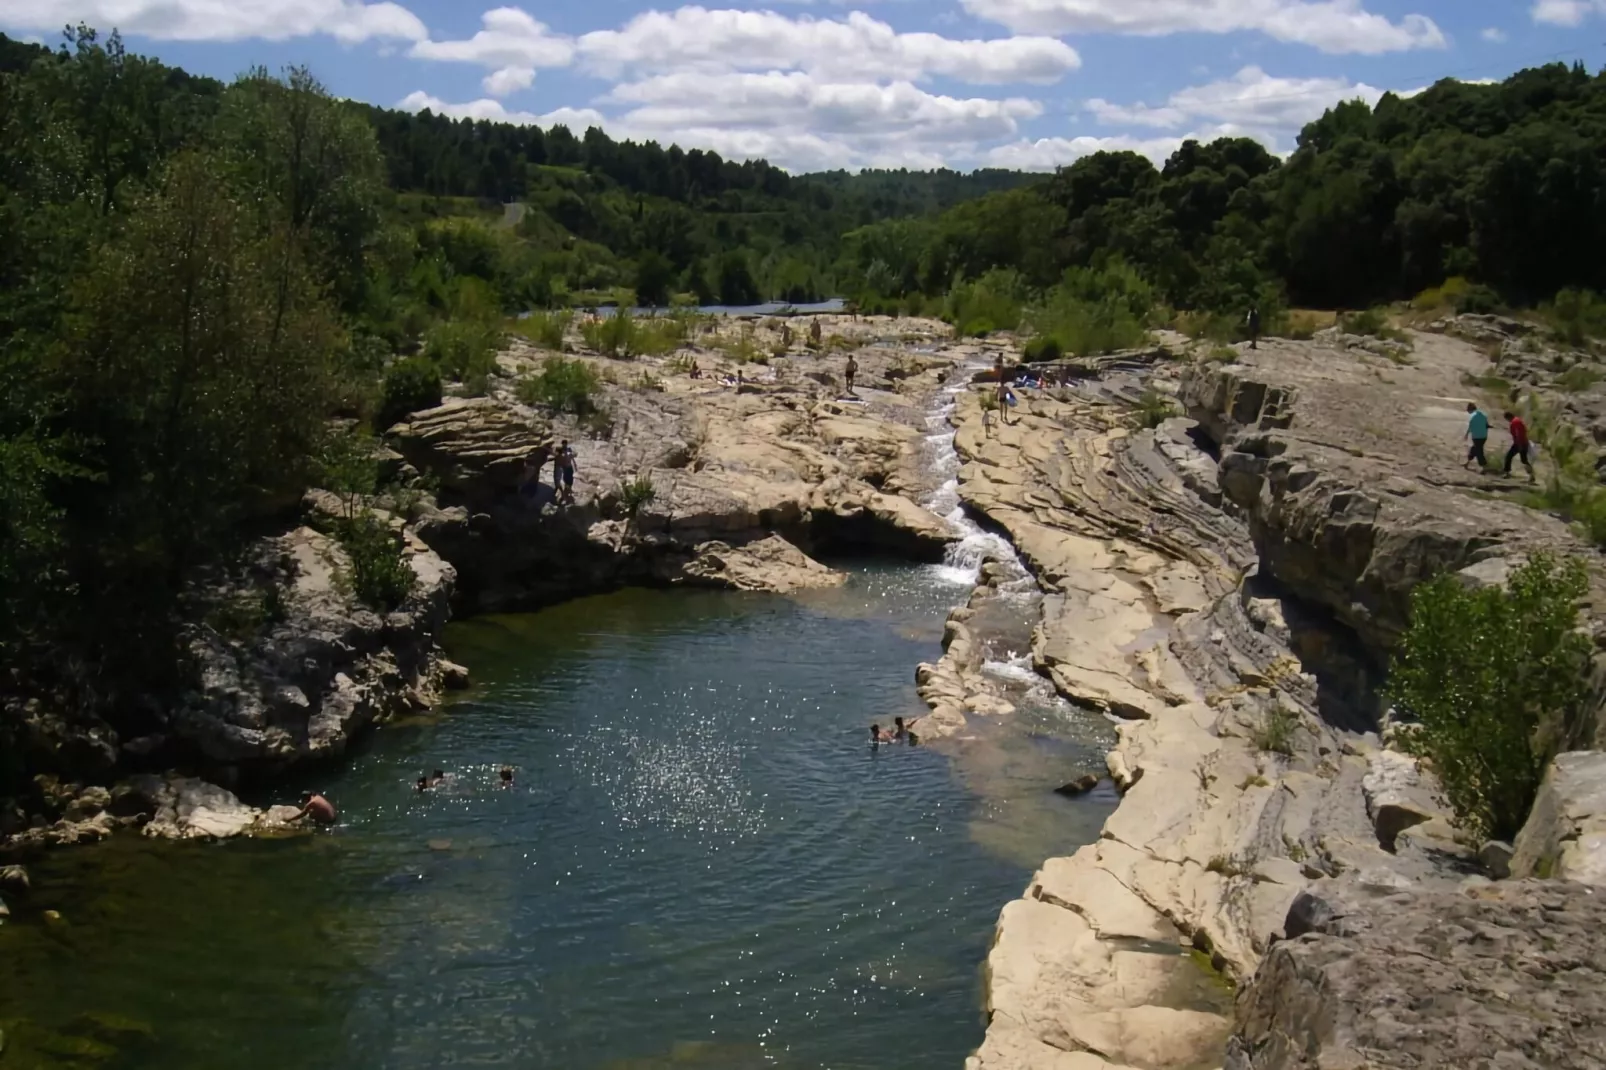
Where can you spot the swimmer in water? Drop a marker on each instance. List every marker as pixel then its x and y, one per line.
pixel 879 736
pixel 423 784
pixel 437 778
pixel 316 807
pixel 507 776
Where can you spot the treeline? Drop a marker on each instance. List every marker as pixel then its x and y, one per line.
pixel 1503 185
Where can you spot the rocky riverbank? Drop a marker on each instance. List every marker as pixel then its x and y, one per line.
pixel 1226 586
pixel 752 480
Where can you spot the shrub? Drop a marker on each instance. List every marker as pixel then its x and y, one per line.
pixel 1222 354
pixel 380 575
pixel 465 350
pixel 545 329
pixel 1274 732
pixel 563 385
pixel 1495 677
pixel 411 385
pixel 636 494
pixel 1041 348
pixel 989 303
pixel 1576 316
pixel 1578 377
pixel 1154 408
pixel 612 336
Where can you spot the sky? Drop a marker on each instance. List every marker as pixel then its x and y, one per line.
pixel 824 84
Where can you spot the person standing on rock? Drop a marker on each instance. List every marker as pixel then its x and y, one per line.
pixel 1478 435
pixel 1519 445
pixel 563 472
pixel 850 371
pixel 1254 327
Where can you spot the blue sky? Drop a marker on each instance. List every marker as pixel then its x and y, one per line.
pixel 813 84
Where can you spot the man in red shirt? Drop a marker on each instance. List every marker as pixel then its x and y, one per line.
pixel 1519 445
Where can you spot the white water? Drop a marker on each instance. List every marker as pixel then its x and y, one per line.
pixel 962 564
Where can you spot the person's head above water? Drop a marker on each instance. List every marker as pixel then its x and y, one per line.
pixel 507 774
pixel 423 782
pixel 897 722
pixel 439 775
pixel 875 731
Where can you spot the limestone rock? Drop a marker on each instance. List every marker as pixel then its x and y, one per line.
pixel 771 564
pixel 186 808
pixel 1565 836
pixel 1495 857
pixel 454 676
pixel 1509 975
pixel 89 803
pixel 476 447
pixel 1398 796
pixel 14 880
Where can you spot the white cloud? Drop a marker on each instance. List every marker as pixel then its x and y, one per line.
pixel 1494 35
pixel 1045 154
pixel 789 118
pixel 511 39
pixel 222 20
pixel 1566 12
pixel 697 38
pixel 1329 25
pixel 577 119
pixel 1270 108
pixel 508 80
pixel 857 46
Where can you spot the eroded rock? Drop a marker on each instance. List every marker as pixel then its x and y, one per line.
pixel 1565 836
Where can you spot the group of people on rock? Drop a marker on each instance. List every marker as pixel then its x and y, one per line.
pixel 563 464
pixel 1478 438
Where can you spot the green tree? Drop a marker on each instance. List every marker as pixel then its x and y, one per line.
pixel 1494 676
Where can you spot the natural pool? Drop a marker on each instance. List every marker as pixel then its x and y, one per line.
pixel 702 864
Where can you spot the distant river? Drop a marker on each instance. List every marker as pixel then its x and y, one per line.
pixel 701 864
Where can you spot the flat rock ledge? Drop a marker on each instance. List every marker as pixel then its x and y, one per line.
pixel 1509 975
pixel 1228 614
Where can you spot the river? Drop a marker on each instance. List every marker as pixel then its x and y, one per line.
pixel 702 862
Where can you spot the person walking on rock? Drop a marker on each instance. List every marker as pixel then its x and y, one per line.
pixel 850 371
pixel 563 472
pixel 1477 435
pixel 1254 327
pixel 1519 445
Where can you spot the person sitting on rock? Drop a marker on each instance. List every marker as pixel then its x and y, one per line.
pixel 316 807
pixel 880 735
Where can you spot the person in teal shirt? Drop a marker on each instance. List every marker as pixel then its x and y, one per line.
pixel 1477 434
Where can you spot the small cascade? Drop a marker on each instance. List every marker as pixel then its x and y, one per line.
pixel 962 564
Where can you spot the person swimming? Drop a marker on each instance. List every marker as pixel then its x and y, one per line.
pixel 423 784
pixel 507 776
pixel 879 735
pixel 437 777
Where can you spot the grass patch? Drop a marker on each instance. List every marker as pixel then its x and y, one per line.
pixel 1222 354
pixel 544 329
pixel 1155 408
pixel 1578 378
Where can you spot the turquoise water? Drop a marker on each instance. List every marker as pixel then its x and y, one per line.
pixel 701 863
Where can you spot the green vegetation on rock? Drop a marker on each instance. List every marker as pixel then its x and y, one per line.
pixel 1493 676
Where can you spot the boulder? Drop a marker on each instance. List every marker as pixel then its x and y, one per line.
pixel 770 564
pixel 1495 857
pixel 89 802
pixel 187 808
pixel 476 447
pixel 1397 795
pixel 453 676
pixel 1565 835
pixel 1503 975
pixel 14 880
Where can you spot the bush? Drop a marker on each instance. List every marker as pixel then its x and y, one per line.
pixel 1576 316
pixel 1041 348
pixel 990 303
pixel 1495 678
pixel 1578 377
pixel 563 385
pixel 380 574
pixel 1154 408
pixel 465 350
pixel 545 329
pixel 636 494
pixel 411 385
